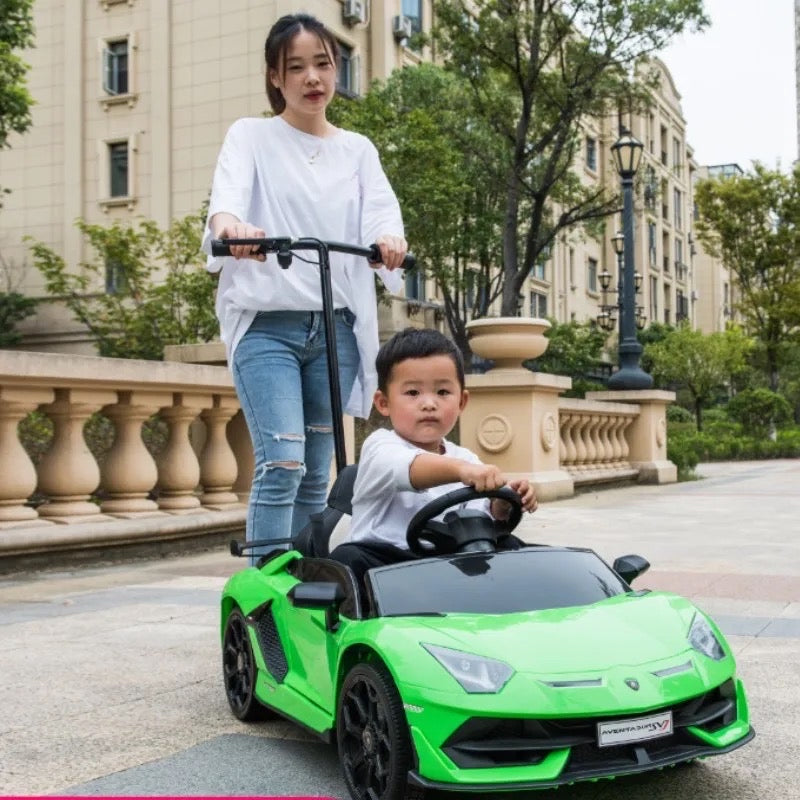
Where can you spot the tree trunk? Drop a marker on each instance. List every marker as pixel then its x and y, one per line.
pixel 698 414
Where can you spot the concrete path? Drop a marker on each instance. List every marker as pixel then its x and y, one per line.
pixel 111 674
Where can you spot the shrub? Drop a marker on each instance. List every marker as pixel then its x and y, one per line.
pixel 758 409
pixel 679 414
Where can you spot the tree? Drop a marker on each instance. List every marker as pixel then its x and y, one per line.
pixel 703 363
pixel 16 33
pixel 573 349
pixel 138 313
pixel 538 70
pixel 422 122
pixel 14 306
pixel 751 223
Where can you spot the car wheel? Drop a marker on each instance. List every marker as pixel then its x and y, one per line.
pixel 372 733
pixel 239 670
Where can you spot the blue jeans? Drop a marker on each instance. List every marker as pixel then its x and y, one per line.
pixel 280 370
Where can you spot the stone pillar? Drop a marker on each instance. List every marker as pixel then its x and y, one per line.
pixel 129 472
pixel 218 465
pixel 239 440
pixel 647 435
pixel 68 472
pixel 178 467
pixel 18 481
pixel 511 420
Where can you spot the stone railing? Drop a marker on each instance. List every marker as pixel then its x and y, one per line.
pixel 593 440
pixel 205 465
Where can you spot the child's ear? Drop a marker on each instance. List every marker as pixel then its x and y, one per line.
pixel 274 79
pixel 381 402
pixel 464 398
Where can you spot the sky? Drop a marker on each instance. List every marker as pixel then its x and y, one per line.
pixel 737 84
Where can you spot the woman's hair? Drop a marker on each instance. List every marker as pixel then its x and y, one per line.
pixel 278 39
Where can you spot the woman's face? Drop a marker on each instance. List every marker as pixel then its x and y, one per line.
pixel 306 77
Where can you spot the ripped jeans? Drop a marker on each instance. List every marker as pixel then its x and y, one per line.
pixel 280 371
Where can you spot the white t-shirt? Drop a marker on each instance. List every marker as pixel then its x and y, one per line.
pixel 384 501
pixel 291 183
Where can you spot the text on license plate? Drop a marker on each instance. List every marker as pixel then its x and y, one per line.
pixel 623 731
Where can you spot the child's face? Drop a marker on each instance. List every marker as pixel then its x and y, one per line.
pixel 423 400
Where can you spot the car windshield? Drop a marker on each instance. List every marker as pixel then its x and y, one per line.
pixel 532 579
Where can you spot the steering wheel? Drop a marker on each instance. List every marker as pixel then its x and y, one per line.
pixel 461 531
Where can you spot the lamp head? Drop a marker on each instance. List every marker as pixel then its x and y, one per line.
pixel 618 241
pixel 627 153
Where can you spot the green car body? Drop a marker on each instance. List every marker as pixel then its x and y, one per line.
pixel 546 679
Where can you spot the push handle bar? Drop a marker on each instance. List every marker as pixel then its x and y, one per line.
pixel 284 247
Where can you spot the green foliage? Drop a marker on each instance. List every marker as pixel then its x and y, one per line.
pixel 143 312
pixel 538 71
pixel 757 410
pixel 679 414
pixel 14 307
pixel 702 363
pixel 750 222
pixel 573 349
pixel 653 333
pixel 16 33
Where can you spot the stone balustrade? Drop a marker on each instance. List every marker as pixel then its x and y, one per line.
pixel 205 465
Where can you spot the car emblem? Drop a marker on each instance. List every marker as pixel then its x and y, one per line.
pixel 632 683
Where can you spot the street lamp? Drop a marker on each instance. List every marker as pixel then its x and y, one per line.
pixel 607 318
pixel 627 153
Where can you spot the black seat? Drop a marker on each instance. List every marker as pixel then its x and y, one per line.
pixel 314 539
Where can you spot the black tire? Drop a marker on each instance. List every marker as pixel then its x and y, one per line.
pixel 239 670
pixel 373 737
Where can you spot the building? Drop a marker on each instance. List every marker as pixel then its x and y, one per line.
pixel 134 98
pixel 714 281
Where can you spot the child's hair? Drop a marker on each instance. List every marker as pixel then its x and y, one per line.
pixel 278 38
pixel 415 343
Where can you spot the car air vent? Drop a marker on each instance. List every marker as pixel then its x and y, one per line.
pixel 585 682
pixel 666 672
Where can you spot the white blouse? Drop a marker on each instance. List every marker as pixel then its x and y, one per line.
pixel 290 183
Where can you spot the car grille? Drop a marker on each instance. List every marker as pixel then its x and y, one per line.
pixel 492 741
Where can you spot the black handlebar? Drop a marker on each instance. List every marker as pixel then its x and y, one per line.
pixel 284 247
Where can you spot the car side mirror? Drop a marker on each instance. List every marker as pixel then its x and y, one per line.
pixel 630 567
pixel 325 595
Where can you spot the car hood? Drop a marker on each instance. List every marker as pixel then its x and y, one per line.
pixel 626 630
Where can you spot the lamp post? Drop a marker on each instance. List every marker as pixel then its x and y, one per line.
pixel 627 153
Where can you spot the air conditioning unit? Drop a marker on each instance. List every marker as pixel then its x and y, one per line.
pixel 695 295
pixel 353 12
pixel 401 28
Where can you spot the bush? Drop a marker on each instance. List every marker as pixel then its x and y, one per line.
pixel 725 442
pixel 679 414
pixel 757 410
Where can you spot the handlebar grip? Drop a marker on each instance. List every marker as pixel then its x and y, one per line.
pixel 409 262
pixel 222 247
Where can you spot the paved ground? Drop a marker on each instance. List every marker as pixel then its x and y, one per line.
pixel 111 676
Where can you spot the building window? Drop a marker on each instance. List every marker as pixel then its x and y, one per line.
pixel 415 285
pixel 677 207
pixel 116 280
pixel 540 268
pixel 677 159
pixel 664 200
pixel 347 79
pixel 572 284
pixel 653 298
pixel 413 10
pixel 538 304
pixel 591 274
pixel 591 153
pixel 115 67
pixel 650 188
pixel 651 243
pixel 118 169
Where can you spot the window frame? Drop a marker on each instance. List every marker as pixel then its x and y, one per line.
pixel 106 98
pixel 106 199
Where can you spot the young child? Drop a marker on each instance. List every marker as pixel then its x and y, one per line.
pixel 421 390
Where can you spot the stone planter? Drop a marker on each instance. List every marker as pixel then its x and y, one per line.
pixel 508 341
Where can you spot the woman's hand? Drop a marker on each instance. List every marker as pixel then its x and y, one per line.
pixel 393 250
pixel 228 227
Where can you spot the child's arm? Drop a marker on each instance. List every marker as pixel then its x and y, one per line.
pixel 430 469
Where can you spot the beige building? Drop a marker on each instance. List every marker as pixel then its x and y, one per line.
pixel 715 283
pixel 134 98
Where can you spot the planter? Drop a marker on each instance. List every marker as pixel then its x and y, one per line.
pixel 508 341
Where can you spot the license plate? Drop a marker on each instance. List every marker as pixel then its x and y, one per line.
pixel 624 731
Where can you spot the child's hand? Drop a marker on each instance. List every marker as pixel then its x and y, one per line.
pixel 527 494
pixel 482 477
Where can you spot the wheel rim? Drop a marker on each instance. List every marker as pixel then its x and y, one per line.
pixel 237 664
pixel 366 744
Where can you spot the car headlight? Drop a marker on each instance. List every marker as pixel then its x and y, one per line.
pixel 476 674
pixel 702 639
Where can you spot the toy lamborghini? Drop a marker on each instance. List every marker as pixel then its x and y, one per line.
pixel 474 669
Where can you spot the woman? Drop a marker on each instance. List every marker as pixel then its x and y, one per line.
pixel 295 175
